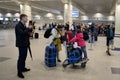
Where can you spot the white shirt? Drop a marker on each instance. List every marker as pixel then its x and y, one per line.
pixel 53 36
pixel 54 33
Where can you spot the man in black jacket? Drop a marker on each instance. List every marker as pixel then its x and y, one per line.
pixel 22 42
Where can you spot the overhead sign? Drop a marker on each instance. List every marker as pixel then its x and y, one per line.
pixel 75 13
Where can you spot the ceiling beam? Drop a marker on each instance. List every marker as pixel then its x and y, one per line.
pixel 45 9
pixel 42 0
pixel 16 1
pixel 118 1
pixel 112 10
pixel 82 11
pixel 38 6
pixel 9 7
pixel 32 5
pixel 75 5
pixel 64 1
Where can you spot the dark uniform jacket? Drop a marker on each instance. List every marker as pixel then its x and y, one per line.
pixel 22 35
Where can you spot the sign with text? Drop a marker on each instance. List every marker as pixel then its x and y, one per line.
pixel 75 13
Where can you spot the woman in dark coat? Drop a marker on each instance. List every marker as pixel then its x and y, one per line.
pixel 109 38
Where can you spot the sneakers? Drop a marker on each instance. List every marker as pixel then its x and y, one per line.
pixel 85 59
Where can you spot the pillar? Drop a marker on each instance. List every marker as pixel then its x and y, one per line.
pixel 68 12
pixel 117 17
pixel 70 18
pixel 65 13
pixel 26 9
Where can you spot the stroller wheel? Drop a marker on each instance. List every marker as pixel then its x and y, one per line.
pixel 65 63
pixel 83 65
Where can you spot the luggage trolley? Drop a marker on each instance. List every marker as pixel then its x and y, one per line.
pixel 74 55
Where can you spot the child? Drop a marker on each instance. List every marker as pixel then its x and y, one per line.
pixel 81 43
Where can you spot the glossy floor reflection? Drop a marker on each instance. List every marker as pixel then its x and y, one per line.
pixel 98 68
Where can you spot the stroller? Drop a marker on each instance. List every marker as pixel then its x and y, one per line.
pixel 74 55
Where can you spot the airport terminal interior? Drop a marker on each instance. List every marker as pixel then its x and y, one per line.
pixel 95 17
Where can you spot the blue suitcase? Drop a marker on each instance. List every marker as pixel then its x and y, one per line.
pixel 50 56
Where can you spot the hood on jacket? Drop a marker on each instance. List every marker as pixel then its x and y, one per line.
pixel 79 35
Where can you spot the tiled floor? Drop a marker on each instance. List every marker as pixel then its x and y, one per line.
pixel 100 66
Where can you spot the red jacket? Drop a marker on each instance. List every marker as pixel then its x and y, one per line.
pixel 79 39
pixel 68 36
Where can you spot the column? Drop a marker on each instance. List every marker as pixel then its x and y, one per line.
pixel 26 9
pixel 65 13
pixel 70 8
pixel 68 12
pixel 117 17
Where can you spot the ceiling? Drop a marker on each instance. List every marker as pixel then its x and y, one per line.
pixel 4 11
pixel 96 6
pixel 57 6
pixel 53 4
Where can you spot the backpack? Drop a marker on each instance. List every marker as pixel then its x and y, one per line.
pixel 85 36
pixel 47 33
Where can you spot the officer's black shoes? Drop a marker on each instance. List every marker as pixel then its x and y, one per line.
pixel 20 75
pixel 25 70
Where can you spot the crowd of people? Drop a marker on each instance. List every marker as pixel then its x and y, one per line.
pixel 58 34
pixel 92 30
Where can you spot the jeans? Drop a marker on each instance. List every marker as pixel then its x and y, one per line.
pixel 22 58
pixel 83 49
pixel 74 32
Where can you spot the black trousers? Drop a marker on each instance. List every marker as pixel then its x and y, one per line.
pixel 22 58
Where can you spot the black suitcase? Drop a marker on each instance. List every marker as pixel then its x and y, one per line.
pixel 36 35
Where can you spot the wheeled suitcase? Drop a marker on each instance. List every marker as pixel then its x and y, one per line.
pixel 36 35
pixel 50 56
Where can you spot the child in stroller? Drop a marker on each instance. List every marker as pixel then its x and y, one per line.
pixel 74 55
pixel 81 43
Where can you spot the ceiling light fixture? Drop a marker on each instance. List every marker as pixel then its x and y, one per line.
pixel 98 15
